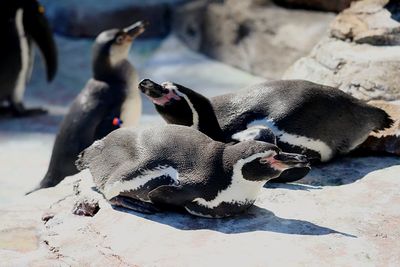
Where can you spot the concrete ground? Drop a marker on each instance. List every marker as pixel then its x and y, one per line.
pixel 345 213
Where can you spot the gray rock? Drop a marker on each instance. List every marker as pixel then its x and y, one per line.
pixel 363 70
pixel 89 17
pixel 251 37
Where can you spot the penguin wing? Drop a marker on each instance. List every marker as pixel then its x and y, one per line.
pixel 171 195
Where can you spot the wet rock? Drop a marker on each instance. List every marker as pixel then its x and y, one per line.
pixel 373 22
pixel 331 5
pixel 353 59
pixel 88 18
pixel 249 36
pixel 86 207
pixel 387 141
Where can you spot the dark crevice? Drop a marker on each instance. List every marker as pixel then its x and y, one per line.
pixel 242 32
pixel 394 8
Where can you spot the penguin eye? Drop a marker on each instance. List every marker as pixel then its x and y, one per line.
pixel 119 39
pixel 41 9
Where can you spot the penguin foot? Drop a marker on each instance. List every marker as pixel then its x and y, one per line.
pixel 291 175
pixel 19 110
pixel 134 204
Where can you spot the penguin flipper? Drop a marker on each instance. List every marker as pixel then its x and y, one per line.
pixel 134 204
pixel 168 195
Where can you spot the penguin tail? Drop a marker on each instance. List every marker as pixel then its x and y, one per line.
pixel 385 121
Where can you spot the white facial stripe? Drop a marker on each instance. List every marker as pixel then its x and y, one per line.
pixel 313 144
pixel 135 183
pixel 240 190
pixel 19 89
pixel 171 86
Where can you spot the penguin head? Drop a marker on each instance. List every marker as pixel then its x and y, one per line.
pixel 178 104
pixel 112 47
pixel 260 161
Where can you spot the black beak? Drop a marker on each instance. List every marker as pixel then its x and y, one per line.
pixel 291 159
pixel 37 26
pixel 152 89
pixel 136 29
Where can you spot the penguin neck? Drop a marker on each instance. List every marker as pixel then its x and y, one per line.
pixel 203 116
pixel 103 70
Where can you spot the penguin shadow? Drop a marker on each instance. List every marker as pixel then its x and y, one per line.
pixel 342 171
pixel 255 219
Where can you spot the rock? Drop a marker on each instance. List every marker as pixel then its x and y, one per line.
pixel 366 71
pixel 86 207
pixel 90 17
pixel 331 5
pixel 359 228
pixel 373 22
pixel 387 141
pixel 250 37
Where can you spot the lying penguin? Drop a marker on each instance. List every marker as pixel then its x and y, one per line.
pixel 307 118
pixel 148 169
pixel 110 98
pixel 22 23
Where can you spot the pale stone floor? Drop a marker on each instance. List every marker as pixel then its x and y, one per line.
pixel 346 213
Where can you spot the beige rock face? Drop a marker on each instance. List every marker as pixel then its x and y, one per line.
pixel 264 40
pixel 366 71
pixel 368 21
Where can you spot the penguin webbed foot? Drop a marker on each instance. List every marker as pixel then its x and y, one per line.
pixel 134 204
pixel 19 110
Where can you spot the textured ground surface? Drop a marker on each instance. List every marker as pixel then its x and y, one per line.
pixel 343 214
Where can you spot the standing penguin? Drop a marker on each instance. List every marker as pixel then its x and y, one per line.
pixel 110 99
pixel 146 169
pixel 22 23
pixel 307 118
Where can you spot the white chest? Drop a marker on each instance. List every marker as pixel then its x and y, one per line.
pixel 131 109
pixel 19 89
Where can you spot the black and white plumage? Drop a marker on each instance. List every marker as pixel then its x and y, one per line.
pixel 110 95
pixel 147 169
pixel 22 23
pixel 318 121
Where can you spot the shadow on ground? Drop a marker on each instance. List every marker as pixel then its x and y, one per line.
pixel 342 171
pixel 256 219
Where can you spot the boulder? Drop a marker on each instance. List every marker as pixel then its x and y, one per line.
pixel 356 64
pixel 87 18
pixel 249 36
pixel 374 22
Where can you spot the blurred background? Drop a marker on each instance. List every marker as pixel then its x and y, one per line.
pixel 211 46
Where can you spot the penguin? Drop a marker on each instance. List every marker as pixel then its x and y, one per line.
pixel 180 105
pixel 109 100
pixel 22 23
pixel 318 121
pixel 151 169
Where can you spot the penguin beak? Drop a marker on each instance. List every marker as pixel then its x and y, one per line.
pixel 37 26
pixel 136 29
pixel 158 94
pixel 282 161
